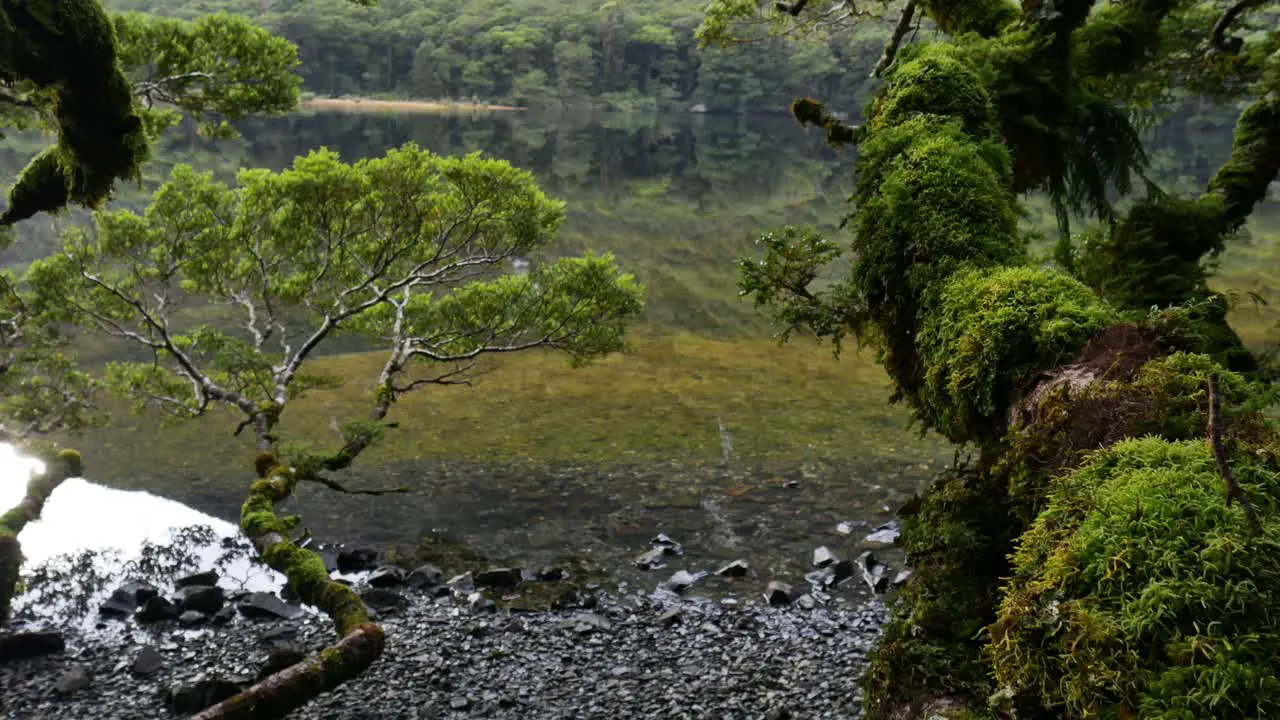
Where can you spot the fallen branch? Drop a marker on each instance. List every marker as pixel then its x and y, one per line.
pixel 360 640
pixel 1234 491
pixel 65 465
pixel 335 485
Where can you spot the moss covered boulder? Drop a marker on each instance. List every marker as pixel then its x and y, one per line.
pixel 1139 592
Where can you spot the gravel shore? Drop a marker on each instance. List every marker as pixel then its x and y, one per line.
pixel 631 656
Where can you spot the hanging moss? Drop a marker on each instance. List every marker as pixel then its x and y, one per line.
pixel 988 333
pixel 1140 593
pixel 69 47
pixel 960 17
pixel 1155 255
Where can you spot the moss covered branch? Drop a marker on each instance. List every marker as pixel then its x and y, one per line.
pixel 360 640
pixel 61 467
pixel 69 48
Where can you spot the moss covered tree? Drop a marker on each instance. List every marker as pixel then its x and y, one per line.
pixel 107 84
pixel 1069 569
pixel 411 250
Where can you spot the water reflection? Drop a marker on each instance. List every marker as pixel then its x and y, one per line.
pixel 90 537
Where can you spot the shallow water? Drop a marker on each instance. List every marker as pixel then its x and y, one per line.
pixel 678 199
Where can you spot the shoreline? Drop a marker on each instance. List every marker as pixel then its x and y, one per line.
pixel 359 104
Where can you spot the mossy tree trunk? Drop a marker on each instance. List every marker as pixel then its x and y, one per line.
pixel 64 465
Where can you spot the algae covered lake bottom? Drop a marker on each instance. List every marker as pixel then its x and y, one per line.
pixel 738 448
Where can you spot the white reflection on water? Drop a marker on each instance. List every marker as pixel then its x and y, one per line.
pixel 81 516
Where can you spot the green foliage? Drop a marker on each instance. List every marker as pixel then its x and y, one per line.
pixel 988 333
pixel 1156 255
pixel 408 248
pixel 782 281
pixel 216 68
pixel 1140 592
pixel 935 79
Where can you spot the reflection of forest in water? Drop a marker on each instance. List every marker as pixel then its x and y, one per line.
pixel 677 198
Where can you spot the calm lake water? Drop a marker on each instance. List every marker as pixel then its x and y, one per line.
pixel 678 199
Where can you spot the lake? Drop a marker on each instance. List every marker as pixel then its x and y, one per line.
pixel 706 430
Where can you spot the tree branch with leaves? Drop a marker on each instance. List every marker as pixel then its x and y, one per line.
pixel 409 249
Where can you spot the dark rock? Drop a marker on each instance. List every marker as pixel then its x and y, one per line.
pixel 779 593
pixel 225 615
pixel 279 659
pixel 266 606
pixel 148 661
pixel 357 560
pixel 823 557
pixel 841 571
pixel 573 598
pixel 26 645
pixel 191 698
pixel 207 599
pixel 192 618
pixel 670 616
pixel 651 559
pixel 125 599
pixel 76 678
pixel 874 573
pixel 737 568
pixel 425 576
pixel 552 574
pixel 901 578
pixel 387 576
pixel 682 580
pixel 663 540
pixel 156 609
pixel 382 599
pixel 505 578
pixel 278 637
pixel 206 578
pixel 778 714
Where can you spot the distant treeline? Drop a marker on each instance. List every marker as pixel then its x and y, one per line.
pixel 629 55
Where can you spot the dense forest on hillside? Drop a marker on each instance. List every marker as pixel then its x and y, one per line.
pixel 627 55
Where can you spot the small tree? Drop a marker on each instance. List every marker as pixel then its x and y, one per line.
pixel 409 248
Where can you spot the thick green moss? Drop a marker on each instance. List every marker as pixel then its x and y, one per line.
pixel 988 333
pixel 69 47
pixel 1155 255
pixel 956 534
pixel 934 79
pixel 960 17
pixel 1140 593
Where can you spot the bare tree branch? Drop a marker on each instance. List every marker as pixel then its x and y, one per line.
pixel 1234 491
pixel 1218 36
pixel 895 40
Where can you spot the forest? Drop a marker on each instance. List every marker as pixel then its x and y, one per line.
pixel 630 55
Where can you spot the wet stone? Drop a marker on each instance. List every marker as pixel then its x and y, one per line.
pixel 25 645
pixel 778 593
pixel 651 559
pixel 823 557
pixel 425 576
pixel 682 580
pixel 266 606
pixel 387 576
pixel 736 569
pixel 495 577
pixel 73 680
pixel 192 618
pixel 356 560
pixel 207 599
pixel 191 698
pixel 156 609
pixel 148 661
pixel 208 577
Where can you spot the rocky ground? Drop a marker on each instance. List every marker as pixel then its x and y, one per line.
pixel 472 646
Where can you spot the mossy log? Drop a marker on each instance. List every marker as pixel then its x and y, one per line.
pixel 65 465
pixel 360 640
